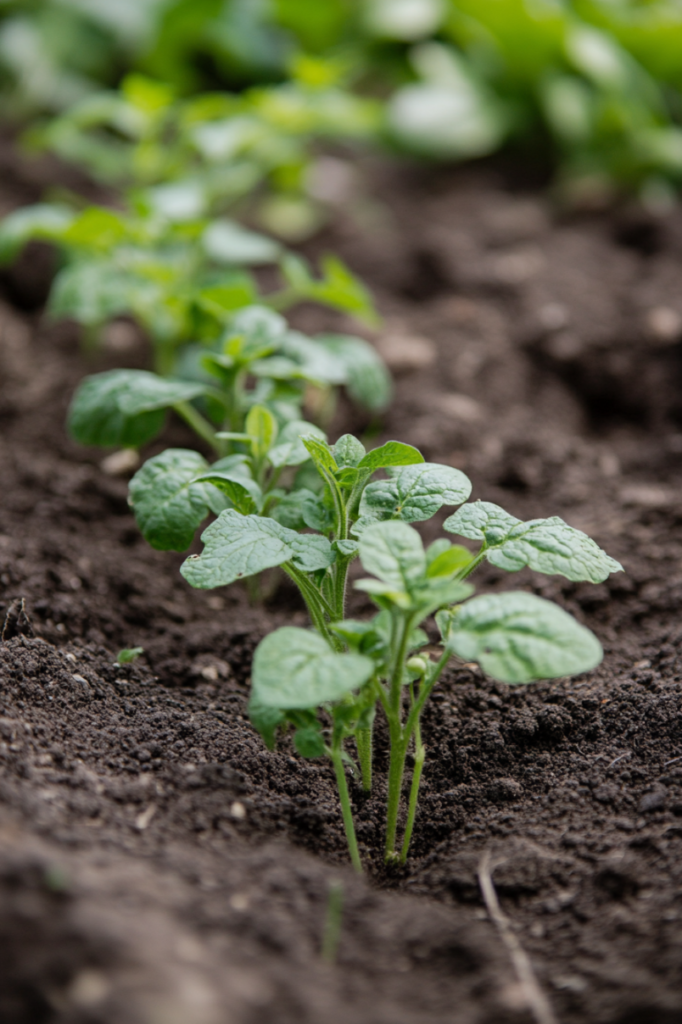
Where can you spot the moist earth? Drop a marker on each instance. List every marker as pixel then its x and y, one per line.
pixel 157 864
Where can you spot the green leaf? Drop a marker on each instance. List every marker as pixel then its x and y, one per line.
pixel 128 655
pixel 348 451
pixel 320 453
pixel 124 407
pixel 292 509
pixel 346 548
pixel 311 552
pixel 385 594
pixel 262 327
pixel 393 453
pixel 261 426
pixel 237 546
pixel 44 221
pixel 439 592
pixel 314 361
pixel 265 720
pixel 546 545
pixel 412 494
pixel 94 291
pixel 394 552
pixel 294 668
pixel 178 201
pixel 168 501
pixel 221 300
pixel 309 742
pixel 243 492
pixel 96 228
pixel 338 287
pixel 290 449
pixel 366 377
pixel 225 241
pixel 448 561
pixel 518 637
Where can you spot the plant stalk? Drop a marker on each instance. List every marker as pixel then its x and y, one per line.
pixel 363 740
pixel 396 771
pixel 346 810
pixel 199 424
pixel 419 755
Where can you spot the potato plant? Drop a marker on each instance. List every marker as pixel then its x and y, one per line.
pixel 218 149
pixel 179 273
pixel 245 402
pixel 327 683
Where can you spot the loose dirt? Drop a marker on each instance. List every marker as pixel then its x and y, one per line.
pixel 157 864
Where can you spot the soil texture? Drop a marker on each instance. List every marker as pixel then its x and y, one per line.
pixel 157 864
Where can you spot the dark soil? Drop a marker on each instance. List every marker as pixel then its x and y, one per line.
pixel 159 866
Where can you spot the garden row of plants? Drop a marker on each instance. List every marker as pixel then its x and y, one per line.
pixel 212 296
pixel 597 83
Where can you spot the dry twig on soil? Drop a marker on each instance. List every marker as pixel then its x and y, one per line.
pixel 536 999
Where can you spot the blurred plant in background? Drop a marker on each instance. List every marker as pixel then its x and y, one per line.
pixel 594 84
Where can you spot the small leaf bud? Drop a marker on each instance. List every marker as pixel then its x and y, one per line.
pixel 418 664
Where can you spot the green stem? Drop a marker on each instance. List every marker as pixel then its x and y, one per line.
pixel 340 581
pixel 398 666
pixel 419 755
pixel 396 770
pixel 164 358
pixel 346 810
pixel 425 692
pixel 332 923
pixel 472 566
pixel 315 603
pixel 281 300
pixel 198 424
pixel 363 740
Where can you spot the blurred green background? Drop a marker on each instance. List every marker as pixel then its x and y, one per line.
pixel 593 86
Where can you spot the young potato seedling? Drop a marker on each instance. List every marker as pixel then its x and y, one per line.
pixel 178 272
pixel 214 150
pixel 329 682
pixel 251 383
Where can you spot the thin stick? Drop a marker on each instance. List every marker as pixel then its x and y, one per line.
pixel 332 923
pixel 536 999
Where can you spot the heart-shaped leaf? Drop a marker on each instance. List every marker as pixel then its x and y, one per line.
pixel 225 241
pixel 243 492
pixel 261 427
pixel 394 552
pixel 294 668
pixel 546 545
pixel 320 453
pixel 315 361
pixel 237 546
pixel 169 502
pixel 290 450
pixel 366 377
pixel 518 637
pixel 125 407
pixel 393 453
pixel 348 451
pixel 413 494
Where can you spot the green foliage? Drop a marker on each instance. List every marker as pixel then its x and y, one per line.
pixel 546 545
pixel 295 669
pixel 328 684
pixel 461 78
pixel 170 499
pixel 183 276
pixel 125 407
pixel 517 637
pixel 128 655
